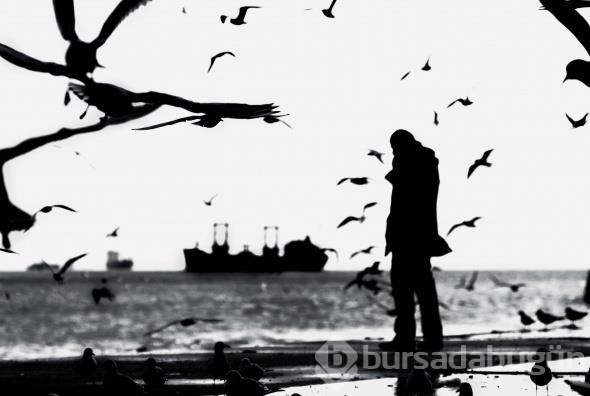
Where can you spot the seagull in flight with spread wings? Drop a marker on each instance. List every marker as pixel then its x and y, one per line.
pixel 483 161
pixel 58 275
pixel 184 323
pixel 467 223
pixel 360 219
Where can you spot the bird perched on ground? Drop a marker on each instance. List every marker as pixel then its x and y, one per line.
pixel 465 389
pixel 512 286
pixel 236 385
pixel 209 202
pixel 525 319
pixel 153 376
pixel 360 280
pixel 366 250
pixel 573 315
pixel 469 286
pixel 426 66
pixel 184 323
pixel 87 365
pixel 547 318
pixel 436 118
pixel 240 19
pixel 218 365
pixel 465 102
pixel 328 11
pixel 80 55
pixel 467 223
pixel 577 123
pixel 376 154
pixel 572 20
pixel 217 56
pixel 359 219
pixel 483 161
pixel 540 372
pixel 114 233
pixel 117 384
pixel 359 181
pixel 251 370
pixel 58 275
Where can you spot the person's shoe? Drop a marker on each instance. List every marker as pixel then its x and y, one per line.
pixel 396 346
pixel 428 346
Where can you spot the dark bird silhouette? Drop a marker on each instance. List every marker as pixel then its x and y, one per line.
pixel 469 286
pixel 427 66
pixel 540 372
pixel 436 118
pixel 574 4
pixel 100 293
pixel 359 181
pixel 376 154
pixel 153 375
pixel 367 250
pixel 80 55
pixel 219 55
pixel 236 385
pixel 251 370
pixel 360 281
pixel 577 123
pixel 373 269
pixel 465 102
pixel 184 323
pixel 209 202
pixel 515 287
pixel 114 233
pixel 467 223
pixel 183 10
pixel 573 315
pixel 87 365
pixel 240 19
pixel 8 251
pixel 331 251
pixel 405 76
pixel 465 389
pixel 328 11
pixel 117 384
pixel 49 208
pixel 525 319
pixel 547 318
pixel 58 276
pixel 572 20
pixel 483 161
pixel 218 365
pixel 361 219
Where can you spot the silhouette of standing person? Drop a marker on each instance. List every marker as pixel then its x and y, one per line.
pixel 412 238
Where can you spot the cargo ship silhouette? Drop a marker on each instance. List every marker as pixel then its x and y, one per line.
pixel 301 255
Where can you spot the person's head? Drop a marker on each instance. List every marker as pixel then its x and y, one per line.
pixel 401 140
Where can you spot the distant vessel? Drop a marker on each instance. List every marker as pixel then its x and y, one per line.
pixel 42 267
pixel 300 255
pixel 114 263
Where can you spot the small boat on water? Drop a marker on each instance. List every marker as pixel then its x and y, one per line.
pixel 301 255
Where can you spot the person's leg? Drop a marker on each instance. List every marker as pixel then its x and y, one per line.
pixel 403 297
pixel 428 300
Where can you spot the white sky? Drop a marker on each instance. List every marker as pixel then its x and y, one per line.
pixel 340 82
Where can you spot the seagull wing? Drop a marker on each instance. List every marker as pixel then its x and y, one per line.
pixel 452 103
pixel 347 220
pixel 453 228
pixel 163 124
pixel 158 329
pixel 472 221
pixel 472 169
pixel 243 11
pixel 353 255
pixel 219 55
pixel 572 121
pixel 571 19
pixel 48 266
pixel 21 60
pixel 369 205
pixel 498 282
pixel 69 263
pixel 473 279
pixel 486 155
pixel 8 251
pixel 66 19
pixel 342 181
pixel 122 11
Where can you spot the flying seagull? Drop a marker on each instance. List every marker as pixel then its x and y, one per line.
pixel 80 55
pixel 58 276
pixel 376 154
pixel 184 323
pixel 240 19
pixel 219 55
pixel 483 161
pixel 515 287
pixel 405 75
pixel 114 233
pixel 271 119
pixel 209 202
pixel 565 12
pixel 49 208
pixel 435 118
pixel 328 11
pixel 467 223
pixel 465 102
pixel 359 181
pixel 577 123
pixel 359 219
pixel 427 66
pixel 362 251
